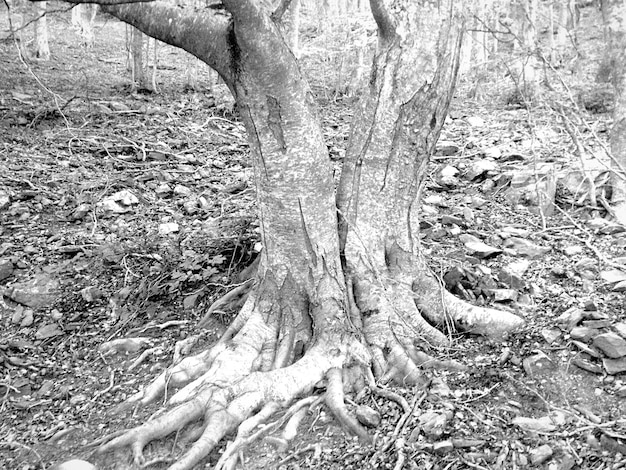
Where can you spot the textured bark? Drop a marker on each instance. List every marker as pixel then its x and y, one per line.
pixel 615 14
pixel 42 47
pixel 303 322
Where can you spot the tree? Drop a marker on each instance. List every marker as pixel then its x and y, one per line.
pixel 42 48
pixel 614 12
pixel 333 297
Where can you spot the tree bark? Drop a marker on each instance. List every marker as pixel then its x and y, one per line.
pixel 304 321
pixel 615 60
pixel 42 46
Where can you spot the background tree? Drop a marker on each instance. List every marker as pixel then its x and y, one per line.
pixel 42 48
pixel 327 304
pixel 615 65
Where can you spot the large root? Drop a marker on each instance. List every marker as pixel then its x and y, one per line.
pixel 408 318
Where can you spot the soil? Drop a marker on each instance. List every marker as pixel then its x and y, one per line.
pixel 76 132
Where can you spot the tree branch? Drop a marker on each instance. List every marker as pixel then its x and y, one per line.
pixel 280 10
pixel 386 27
pixel 203 33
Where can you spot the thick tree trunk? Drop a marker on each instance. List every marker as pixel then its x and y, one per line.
pixel 616 61
pixel 305 323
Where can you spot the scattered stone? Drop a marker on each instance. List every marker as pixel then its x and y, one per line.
pixel 611 344
pixel 439 387
pixel 503 295
pixel 621 392
pixel 480 168
pixel 74 464
pixel 508 232
pixel 619 287
pixel 613 276
pixel 6 269
pixel 478 248
pixel 467 443
pixel 570 318
pixel 583 333
pixel 573 250
pixel 526 248
pixel 620 328
pixel 435 200
pixel 540 454
pixel 538 364
pixel 81 211
pixel 91 293
pixel 567 462
pixel 127 345
pixel 614 366
pixel 56 315
pixel 543 424
pixel 586 349
pixel 611 445
pixel 443 447
pixel 550 335
pixel 447 148
pixel 163 189
pixel 167 228
pixel 368 416
pixel 433 423
pixel 534 189
pixel 182 190
pixel 493 152
pixel 475 121
pixel 452 220
pixel 589 366
pixel 5 199
pixel 48 331
pixel 605 323
pixel 40 291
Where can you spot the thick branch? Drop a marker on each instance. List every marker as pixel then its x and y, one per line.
pixel 386 27
pixel 203 33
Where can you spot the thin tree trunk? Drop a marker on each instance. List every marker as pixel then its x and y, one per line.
pixel 42 47
pixel 616 61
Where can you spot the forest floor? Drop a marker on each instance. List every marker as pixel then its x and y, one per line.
pixel 125 214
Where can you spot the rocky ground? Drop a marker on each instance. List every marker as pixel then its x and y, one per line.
pixel 124 215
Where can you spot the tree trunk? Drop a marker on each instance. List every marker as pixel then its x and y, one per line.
pixel 309 318
pixel 42 47
pixel 615 59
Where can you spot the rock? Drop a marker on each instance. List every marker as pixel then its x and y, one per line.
pixel 167 228
pixel 573 250
pixel 91 293
pixel 443 447
pixel 526 248
pixel 452 220
pixel 503 295
pixel 478 248
pixel 586 349
pixel 619 287
pixel 550 335
pixel 543 424
pixel 538 364
pixel 475 121
pixel 540 454
pixel 587 365
pixel 74 464
pixel 621 392
pixel 583 333
pixel 480 168
pixel 534 189
pixel 613 276
pixel 163 189
pixel 605 323
pixel 614 366
pixel 439 387
pixel 368 416
pixel 40 291
pixel 620 328
pixel 433 423
pixel 127 345
pixel 611 344
pixel 5 199
pixel 435 200
pixel 6 269
pixel 567 462
pixel 570 318
pixel 182 190
pixel 48 331
pixel 467 443
pixel 447 148
pixel 493 153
